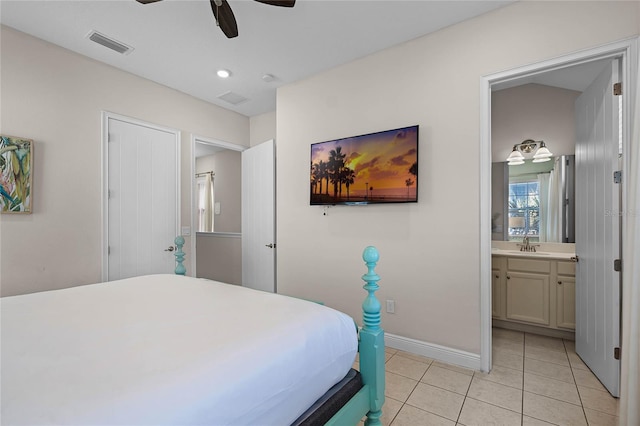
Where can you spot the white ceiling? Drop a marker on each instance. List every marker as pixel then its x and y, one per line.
pixel 177 43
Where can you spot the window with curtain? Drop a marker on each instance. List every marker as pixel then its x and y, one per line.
pixel 205 203
pixel 524 210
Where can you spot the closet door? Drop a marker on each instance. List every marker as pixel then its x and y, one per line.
pixel 142 199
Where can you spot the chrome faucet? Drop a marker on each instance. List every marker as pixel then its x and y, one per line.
pixel 526 246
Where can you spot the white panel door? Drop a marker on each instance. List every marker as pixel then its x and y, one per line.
pixel 142 199
pixel 598 228
pixel 258 217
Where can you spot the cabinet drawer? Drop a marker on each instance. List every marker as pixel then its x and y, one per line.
pixel 566 268
pixel 528 265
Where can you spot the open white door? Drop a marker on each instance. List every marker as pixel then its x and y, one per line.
pixel 258 217
pixel 598 228
pixel 142 199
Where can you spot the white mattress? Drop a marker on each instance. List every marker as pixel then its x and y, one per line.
pixel 166 349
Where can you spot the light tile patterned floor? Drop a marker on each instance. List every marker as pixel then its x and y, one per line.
pixel 536 380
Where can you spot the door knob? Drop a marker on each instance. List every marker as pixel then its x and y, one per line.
pixel 171 248
pixel 270 245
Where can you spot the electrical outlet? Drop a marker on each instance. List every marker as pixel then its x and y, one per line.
pixel 391 306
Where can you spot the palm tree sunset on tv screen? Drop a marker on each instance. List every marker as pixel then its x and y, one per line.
pixel 374 168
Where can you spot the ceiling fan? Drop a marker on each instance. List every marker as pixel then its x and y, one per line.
pixel 224 15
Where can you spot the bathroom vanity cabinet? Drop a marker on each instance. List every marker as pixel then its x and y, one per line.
pixel 536 291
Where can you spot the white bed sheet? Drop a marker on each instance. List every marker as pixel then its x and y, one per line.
pixel 166 349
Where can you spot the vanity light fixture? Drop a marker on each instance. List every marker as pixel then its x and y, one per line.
pixel 528 146
pixel 223 73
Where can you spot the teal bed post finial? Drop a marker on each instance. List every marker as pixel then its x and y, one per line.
pixel 180 269
pixel 372 335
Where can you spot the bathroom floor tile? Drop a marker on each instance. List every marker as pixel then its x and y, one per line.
pixel 478 413
pixel 503 375
pixel 576 362
pixel 553 411
pixel 412 416
pixel 569 345
pixel 496 394
pixel 503 333
pixel 567 392
pixel 543 342
pixel 543 354
pixel 516 348
pixel 447 379
pixel 597 418
pixel 553 371
pixel 587 379
pixel 598 400
pixel 507 359
pixel 437 401
pixel 406 367
pixel 530 421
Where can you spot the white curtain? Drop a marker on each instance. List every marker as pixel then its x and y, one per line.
pixel 630 383
pixel 550 186
pixel 205 203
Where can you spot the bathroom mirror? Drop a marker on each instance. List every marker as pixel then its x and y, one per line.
pixel 534 200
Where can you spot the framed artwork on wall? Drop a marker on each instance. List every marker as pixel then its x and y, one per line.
pixel 16 170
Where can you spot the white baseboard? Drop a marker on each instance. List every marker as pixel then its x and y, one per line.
pixel 431 350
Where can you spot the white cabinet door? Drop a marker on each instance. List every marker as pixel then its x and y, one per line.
pixel 598 228
pixel 566 302
pixel 258 217
pixel 528 297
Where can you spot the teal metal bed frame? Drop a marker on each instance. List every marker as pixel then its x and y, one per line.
pixel 370 398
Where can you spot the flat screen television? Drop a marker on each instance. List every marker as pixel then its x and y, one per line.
pixel 377 167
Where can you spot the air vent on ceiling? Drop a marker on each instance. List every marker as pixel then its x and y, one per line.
pixel 233 98
pixel 109 42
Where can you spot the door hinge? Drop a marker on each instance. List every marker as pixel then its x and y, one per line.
pixel 617 176
pixel 108 250
pixel 616 353
pixel 617 265
pixel 108 194
pixel 617 89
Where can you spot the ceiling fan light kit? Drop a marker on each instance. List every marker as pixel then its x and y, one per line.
pixel 224 15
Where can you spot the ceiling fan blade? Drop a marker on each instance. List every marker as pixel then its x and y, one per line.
pixel 224 18
pixel 147 1
pixel 282 3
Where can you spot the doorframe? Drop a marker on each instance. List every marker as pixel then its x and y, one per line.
pixel 627 51
pixel 192 165
pixel 106 116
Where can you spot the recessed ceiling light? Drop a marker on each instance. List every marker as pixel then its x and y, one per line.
pixel 223 73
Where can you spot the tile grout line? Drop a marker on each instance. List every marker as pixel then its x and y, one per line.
pixel 584 413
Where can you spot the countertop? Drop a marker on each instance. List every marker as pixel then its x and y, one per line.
pixel 534 255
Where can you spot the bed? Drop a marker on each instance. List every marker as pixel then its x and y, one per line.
pixel 176 350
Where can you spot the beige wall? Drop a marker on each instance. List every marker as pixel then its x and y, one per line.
pixel 227 166
pixel 55 97
pixel 262 128
pixel 532 111
pixel 429 262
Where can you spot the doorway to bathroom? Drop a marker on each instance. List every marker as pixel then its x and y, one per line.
pixel 597 336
